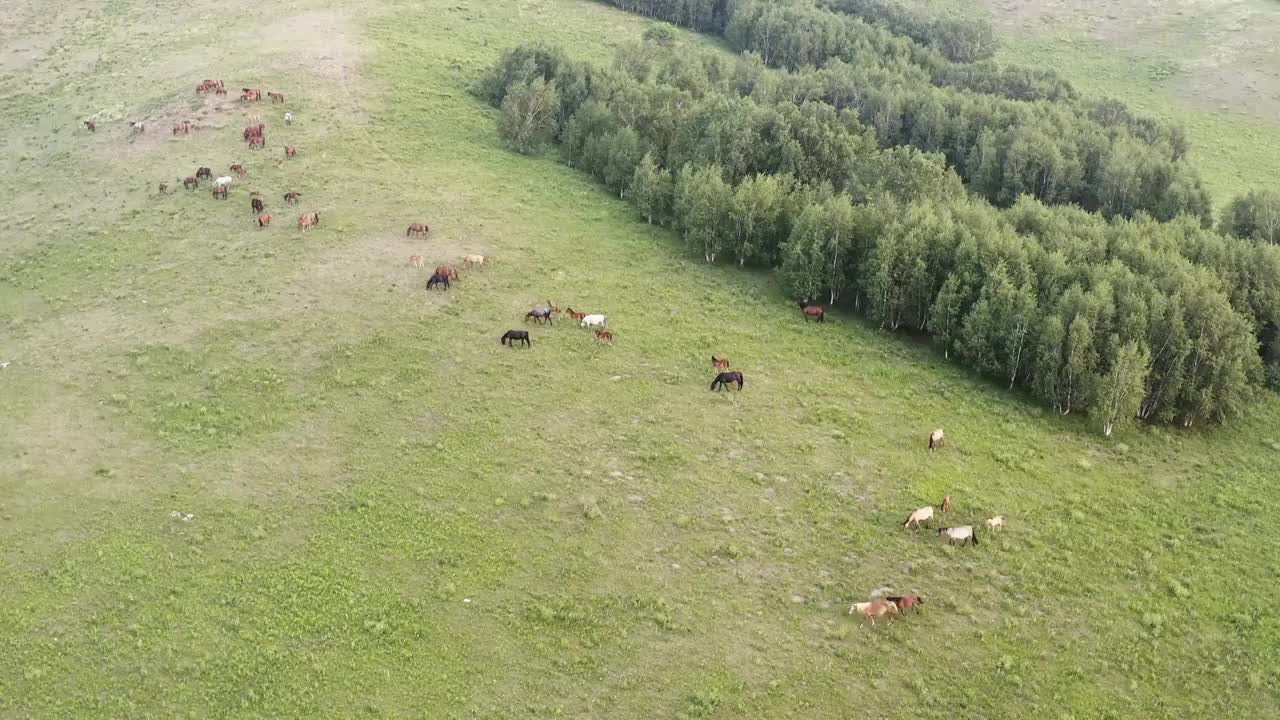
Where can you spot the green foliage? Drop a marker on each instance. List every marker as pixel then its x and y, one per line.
pixel 528 116
pixel 1255 216
pixel 1118 392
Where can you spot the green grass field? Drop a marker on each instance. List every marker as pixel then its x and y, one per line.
pixel 392 516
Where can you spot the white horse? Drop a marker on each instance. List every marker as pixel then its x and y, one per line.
pixel 224 181
pixel 137 126
pixel 919 516
pixel 598 322
pixel 961 534
pixel 288 118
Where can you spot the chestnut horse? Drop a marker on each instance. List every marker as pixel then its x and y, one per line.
pixel 290 151
pixel 813 311
pixel 719 363
pixel 724 379
pixel 447 271
pixel 238 169
pixel 309 220
pixel 264 220
pixel 257 142
pixel 604 336
pixel 419 229
pixel 575 314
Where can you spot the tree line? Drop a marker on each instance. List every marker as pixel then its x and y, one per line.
pixel 1123 318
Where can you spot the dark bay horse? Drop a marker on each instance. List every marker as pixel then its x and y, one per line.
pixel 725 378
pixel 511 337
pixel 813 311
pixel 438 279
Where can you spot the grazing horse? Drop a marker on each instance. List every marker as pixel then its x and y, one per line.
pixel 250 95
pixel 995 523
pixel 813 311
pixel 288 118
pixel 575 314
pixel 438 279
pixel 604 336
pixel 308 221
pixel 906 602
pixel 416 261
pixel 447 271
pixel 539 314
pixel 137 127
pixel 275 96
pixel 292 197
pixel 935 439
pixel 256 205
pixel 961 534
pixel 224 181
pixel 190 182
pixel 919 516
pixel 238 169
pixel 264 220
pixel 599 322
pixel 290 151
pixel 511 337
pixel 419 229
pixel 204 173
pixel 725 378
pixel 220 192
pixel 719 363
pixel 946 503
pixel 471 262
pixel 874 609
pixel 182 126
pixel 91 126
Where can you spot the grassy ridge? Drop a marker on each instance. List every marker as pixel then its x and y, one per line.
pixel 361 458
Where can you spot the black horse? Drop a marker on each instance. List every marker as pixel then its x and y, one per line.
pixel 511 337
pixel 204 173
pixel 539 314
pixel 438 279
pixel 724 378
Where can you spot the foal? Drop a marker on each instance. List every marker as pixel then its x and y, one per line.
pixel 604 336
pixel 724 379
pixel 719 363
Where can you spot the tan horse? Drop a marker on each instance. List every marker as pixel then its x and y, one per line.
pixel 919 516
pixel 472 262
pixel 995 523
pixel 874 609
pixel 935 439
pixel 416 261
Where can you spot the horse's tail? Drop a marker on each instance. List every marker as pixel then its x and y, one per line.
pixel 741 381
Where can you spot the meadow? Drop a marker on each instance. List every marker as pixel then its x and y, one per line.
pixel 393 516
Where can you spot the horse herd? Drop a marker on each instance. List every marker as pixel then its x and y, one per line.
pixel 254 135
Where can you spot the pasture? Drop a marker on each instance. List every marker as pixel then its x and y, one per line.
pixel 392 515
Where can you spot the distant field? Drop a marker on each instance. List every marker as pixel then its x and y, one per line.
pixel 392 516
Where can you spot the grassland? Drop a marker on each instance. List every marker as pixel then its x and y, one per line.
pixel 395 517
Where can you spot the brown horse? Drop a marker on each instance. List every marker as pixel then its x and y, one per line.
pixel 91 126
pixel 308 221
pixel 264 220
pixel 292 197
pixel 604 337
pixel 290 151
pixel 416 261
pixel 471 262
pixel 238 169
pixel 419 229
pixel 183 126
pixel 257 142
pixel 275 96
pixel 164 188
pixel 906 602
pixel 219 192
pixel 724 379
pixel 257 206
pixel 190 182
pixel 447 271
pixel 575 314
pixel 719 363
pixel 813 311
pixel 250 95
pixel 946 504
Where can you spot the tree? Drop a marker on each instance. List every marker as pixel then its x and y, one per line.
pixel 758 205
pixel 624 155
pixel 529 114
pixel 703 209
pixel 1117 394
pixel 651 190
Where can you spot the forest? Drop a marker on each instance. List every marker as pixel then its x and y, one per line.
pixel 1053 243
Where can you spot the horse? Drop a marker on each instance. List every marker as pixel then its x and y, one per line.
pixel 275 97
pixel 137 127
pixel 238 169
pixel 288 118
pixel 309 220
pixel 874 609
pixel 290 151
pixel 539 314
pixel 264 220
pixel 223 181
pixel 919 516
pixel 219 192
pixel 415 261
pixel 220 90
pixel 447 271
pixel 256 205
pixel 473 261
pixel 813 311
pixel 719 363
pixel 91 126
pixel 995 523
pixel 725 378
pixel 511 337
pixel 204 173
pixel 419 229
pixel 906 602
pixel 190 182
pixel 604 336
pixel 164 188
pixel 438 279
pixel 575 314
pixel 183 127
pixel 250 95
pixel 600 322
pixel 292 197
pixel 962 534
pixel 257 142
pixel 552 307
pixel 935 439
pixel 946 503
